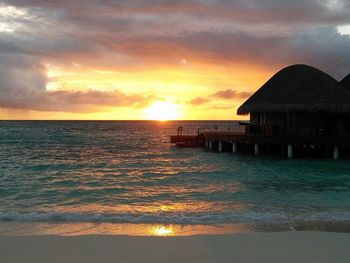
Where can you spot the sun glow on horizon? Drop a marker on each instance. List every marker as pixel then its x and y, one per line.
pixel 161 93
pixel 162 111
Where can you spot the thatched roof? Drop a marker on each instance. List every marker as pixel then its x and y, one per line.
pixel 299 88
pixel 346 82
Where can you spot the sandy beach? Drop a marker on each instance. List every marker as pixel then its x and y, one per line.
pixel 242 247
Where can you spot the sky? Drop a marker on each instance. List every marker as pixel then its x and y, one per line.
pixel 156 59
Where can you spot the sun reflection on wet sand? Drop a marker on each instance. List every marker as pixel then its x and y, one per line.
pixel 162 231
pixel 81 229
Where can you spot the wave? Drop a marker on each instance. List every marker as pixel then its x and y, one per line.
pixel 168 218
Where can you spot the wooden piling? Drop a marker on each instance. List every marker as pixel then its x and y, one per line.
pixel 335 153
pixel 234 147
pixel 256 149
pixel 220 146
pixel 290 151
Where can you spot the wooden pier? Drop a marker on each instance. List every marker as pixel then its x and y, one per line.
pixel 288 146
pixel 187 141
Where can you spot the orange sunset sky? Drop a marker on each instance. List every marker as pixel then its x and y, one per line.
pixel 131 60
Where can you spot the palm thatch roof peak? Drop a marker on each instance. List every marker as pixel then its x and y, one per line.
pixel 346 82
pixel 299 88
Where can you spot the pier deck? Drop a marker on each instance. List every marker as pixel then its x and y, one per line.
pixel 243 138
pixel 187 140
pixel 224 141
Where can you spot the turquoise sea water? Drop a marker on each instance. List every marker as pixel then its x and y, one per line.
pixel 128 172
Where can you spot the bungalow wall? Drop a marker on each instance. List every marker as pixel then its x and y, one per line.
pixel 341 125
pixel 300 124
pixel 311 124
pixel 321 124
pixel 266 118
pixel 269 123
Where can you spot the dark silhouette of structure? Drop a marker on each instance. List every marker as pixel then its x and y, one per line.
pixel 299 101
pixel 346 82
pixel 300 110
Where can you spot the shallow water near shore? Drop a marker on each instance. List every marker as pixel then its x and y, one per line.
pixel 125 178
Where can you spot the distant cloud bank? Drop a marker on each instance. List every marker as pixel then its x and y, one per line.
pixel 137 35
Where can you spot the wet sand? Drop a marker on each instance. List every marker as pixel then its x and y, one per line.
pixel 281 247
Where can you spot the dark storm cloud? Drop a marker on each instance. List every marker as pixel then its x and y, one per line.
pixel 316 11
pixel 323 47
pixel 140 34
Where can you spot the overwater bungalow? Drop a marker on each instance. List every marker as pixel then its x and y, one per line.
pixel 299 101
pixel 299 111
pixel 302 106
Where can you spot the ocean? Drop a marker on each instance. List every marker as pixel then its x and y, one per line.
pixel 124 177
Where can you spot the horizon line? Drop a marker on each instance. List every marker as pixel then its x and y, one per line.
pixel 4 120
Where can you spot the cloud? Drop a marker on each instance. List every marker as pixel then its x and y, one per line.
pixel 89 101
pixel 227 94
pixel 70 101
pixel 322 47
pixel 199 101
pixel 22 85
pixel 141 35
pixel 244 94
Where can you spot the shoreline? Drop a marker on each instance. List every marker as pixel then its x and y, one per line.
pixel 13 228
pixel 266 247
pixel 23 228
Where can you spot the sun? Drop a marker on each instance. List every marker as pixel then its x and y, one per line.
pixel 162 111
